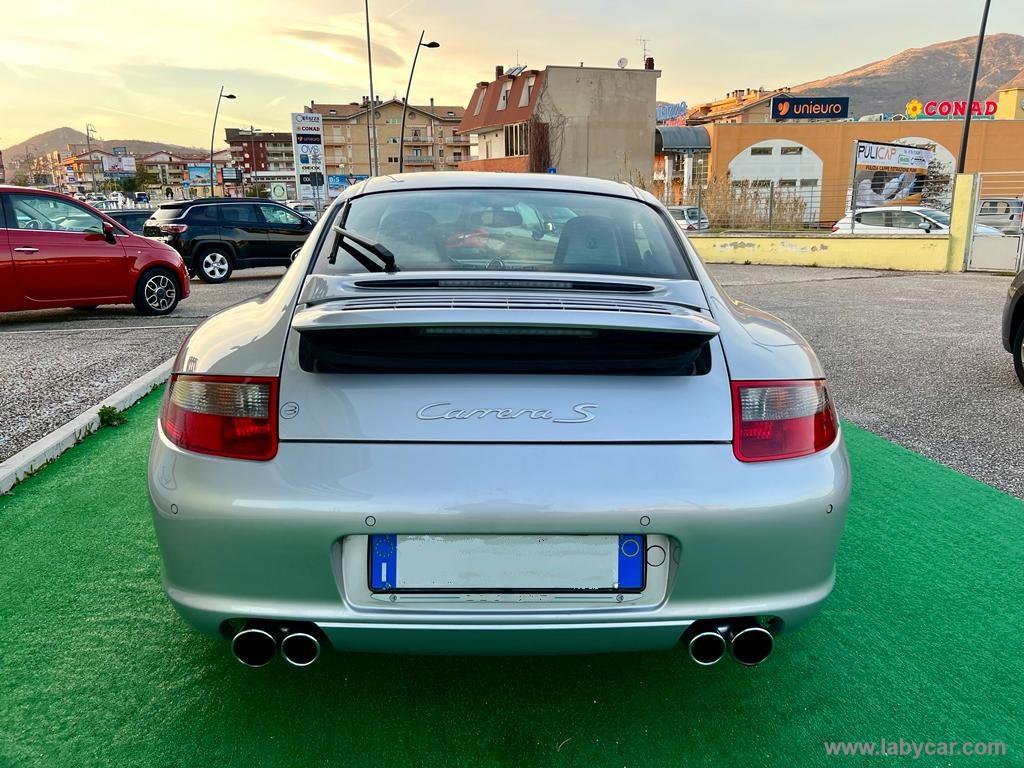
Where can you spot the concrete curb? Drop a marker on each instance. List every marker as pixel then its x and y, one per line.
pixel 46 449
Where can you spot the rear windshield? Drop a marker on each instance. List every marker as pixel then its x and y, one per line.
pixel 519 230
pixel 168 213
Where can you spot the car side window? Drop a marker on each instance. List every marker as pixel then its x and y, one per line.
pixel 238 213
pixel 906 219
pixel 53 215
pixel 203 214
pixel 275 214
pixel 874 218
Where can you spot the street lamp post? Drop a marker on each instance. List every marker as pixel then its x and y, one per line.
pixel 213 132
pixel 962 159
pixel 371 136
pixel 405 105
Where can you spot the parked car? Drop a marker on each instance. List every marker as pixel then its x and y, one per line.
pixel 95 196
pixel 410 446
pixel 689 217
pixel 133 219
pixel 105 205
pixel 218 235
pixel 141 198
pixel 1013 324
pixel 912 220
pixel 1002 213
pixel 58 252
pixel 306 209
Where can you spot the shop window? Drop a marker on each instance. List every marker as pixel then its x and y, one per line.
pixel 787 182
pixel 808 182
pixel 792 150
pixel 760 151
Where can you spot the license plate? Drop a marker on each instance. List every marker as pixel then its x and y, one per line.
pixel 514 563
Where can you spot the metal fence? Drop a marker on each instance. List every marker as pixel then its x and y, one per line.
pixel 794 205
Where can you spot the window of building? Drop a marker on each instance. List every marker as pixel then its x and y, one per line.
pixel 332 111
pixel 808 182
pixel 450 113
pixel 524 97
pixel 503 98
pixel 792 150
pixel 787 182
pixel 392 140
pixel 393 121
pixel 517 139
pixel 479 101
pixel 392 159
pixel 761 151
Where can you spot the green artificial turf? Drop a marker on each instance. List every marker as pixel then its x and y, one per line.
pixel 920 641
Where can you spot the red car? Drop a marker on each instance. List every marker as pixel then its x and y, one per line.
pixel 58 252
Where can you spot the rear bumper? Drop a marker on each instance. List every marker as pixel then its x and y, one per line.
pixel 281 540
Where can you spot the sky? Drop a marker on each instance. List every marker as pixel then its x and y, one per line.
pixel 152 70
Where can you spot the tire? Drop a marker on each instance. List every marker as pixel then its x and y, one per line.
pixel 1018 352
pixel 213 265
pixel 157 292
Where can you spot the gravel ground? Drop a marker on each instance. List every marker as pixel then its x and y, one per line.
pixel 58 363
pixel 915 358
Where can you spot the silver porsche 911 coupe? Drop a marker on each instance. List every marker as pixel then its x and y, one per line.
pixel 497 413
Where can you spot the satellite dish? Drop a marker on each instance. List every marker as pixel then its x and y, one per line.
pixel 623 62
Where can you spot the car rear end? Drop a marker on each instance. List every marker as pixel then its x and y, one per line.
pixel 460 462
pixel 168 225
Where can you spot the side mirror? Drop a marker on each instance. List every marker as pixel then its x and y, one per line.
pixel 925 225
pixel 108 232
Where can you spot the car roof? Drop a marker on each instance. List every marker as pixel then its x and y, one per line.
pixel 212 200
pixel 489 180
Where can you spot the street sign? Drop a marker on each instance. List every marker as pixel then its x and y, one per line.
pixel 552 169
pixel 185 185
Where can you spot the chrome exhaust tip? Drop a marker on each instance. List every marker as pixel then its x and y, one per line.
pixel 707 647
pixel 300 649
pixel 254 647
pixel 750 644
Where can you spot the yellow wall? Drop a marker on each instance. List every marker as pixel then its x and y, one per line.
pixel 915 253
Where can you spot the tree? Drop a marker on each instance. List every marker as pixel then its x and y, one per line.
pixel 21 179
pixel 257 190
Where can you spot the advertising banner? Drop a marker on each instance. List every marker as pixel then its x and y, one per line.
pixel 308 146
pixel 810 108
pixel 199 174
pixel 890 174
pixel 118 165
pixel 338 182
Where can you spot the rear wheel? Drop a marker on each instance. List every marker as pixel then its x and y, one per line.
pixel 213 265
pixel 1018 352
pixel 157 293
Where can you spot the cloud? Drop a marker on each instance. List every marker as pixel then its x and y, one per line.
pixel 349 45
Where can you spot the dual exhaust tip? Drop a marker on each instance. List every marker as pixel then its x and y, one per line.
pixel 256 646
pixel 746 641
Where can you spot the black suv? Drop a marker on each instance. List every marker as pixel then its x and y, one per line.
pixel 218 235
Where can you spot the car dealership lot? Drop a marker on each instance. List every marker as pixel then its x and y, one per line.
pixel 915 358
pixel 57 363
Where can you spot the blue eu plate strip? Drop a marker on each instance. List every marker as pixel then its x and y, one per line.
pixel 631 561
pixel 383 562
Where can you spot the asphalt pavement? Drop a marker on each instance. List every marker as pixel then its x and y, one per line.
pixel 915 358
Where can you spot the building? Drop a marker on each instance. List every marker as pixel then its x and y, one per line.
pixel 254 150
pixel 582 121
pixel 173 176
pixel 430 140
pixel 750 105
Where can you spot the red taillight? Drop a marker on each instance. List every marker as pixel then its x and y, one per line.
pixel 781 419
pixel 173 229
pixel 230 416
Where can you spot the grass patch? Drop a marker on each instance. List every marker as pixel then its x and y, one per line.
pixel 919 641
pixel 110 416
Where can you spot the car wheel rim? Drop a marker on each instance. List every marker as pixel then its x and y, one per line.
pixel 160 292
pixel 215 265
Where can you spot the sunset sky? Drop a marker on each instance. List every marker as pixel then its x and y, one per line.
pixel 151 70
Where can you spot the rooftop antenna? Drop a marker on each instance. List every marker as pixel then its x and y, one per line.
pixel 643 45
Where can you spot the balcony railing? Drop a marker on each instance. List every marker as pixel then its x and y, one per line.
pixel 457 140
pixel 419 160
pixel 419 139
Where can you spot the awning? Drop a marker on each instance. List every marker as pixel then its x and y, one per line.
pixel 681 139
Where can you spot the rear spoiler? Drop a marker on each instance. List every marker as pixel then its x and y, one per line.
pixel 488 334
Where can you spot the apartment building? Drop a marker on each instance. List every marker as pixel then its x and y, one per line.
pixel 582 121
pixel 431 143
pixel 254 150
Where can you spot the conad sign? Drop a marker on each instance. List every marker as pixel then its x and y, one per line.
pixel 958 108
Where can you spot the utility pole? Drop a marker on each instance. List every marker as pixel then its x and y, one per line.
pixel 962 159
pixel 372 146
pixel 89 131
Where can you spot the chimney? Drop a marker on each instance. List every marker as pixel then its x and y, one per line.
pixel 431 105
pixel 649 62
pixel 498 71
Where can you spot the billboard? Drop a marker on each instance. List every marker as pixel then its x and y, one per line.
pixel 308 146
pixel 889 174
pixel 119 165
pixel 199 174
pixel 336 183
pixel 810 108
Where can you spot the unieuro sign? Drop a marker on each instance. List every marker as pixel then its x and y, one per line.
pixel 810 108
pixel 916 108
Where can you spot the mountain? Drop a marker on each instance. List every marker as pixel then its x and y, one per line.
pixel 940 71
pixel 59 138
